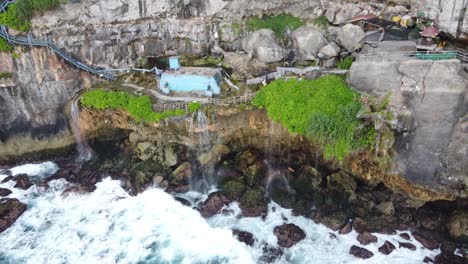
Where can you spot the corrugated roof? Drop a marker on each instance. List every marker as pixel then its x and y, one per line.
pixel 205 71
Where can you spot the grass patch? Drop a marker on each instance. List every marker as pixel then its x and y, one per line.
pixel 5 46
pixel 19 14
pixel 346 63
pixel 325 109
pixel 194 107
pixel 278 23
pixel 139 107
pixel 321 21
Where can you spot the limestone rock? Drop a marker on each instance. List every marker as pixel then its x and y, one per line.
pixel 329 51
pixel 182 174
pixel 214 155
pixel 10 210
pixel 289 234
pixel 360 252
pixel 386 208
pixel 307 41
pixel 170 157
pixel 350 37
pixel 263 45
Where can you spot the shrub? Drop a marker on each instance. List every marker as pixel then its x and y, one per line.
pixel 321 21
pixel 19 14
pixel 346 63
pixel 140 108
pixel 279 24
pixel 5 46
pixel 6 75
pixel 324 109
pixel 194 107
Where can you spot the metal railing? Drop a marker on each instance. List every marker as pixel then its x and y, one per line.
pixel 242 99
pixel 31 42
pixel 401 56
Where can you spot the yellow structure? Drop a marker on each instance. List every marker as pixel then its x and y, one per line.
pixel 396 19
pixel 406 21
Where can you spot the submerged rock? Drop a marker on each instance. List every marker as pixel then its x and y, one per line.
pixel 213 205
pixel 244 236
pixel 22 181
pixel 7 179
pixel 10 210
pixel 270 253
pixel 289 234
pixel 4 192
pixel 405 236
pixel 366 238
pixel 360 252
pixel 407 245
pixel 386 248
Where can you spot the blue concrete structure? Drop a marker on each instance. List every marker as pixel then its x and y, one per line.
pixel 174 63
pixel 190 79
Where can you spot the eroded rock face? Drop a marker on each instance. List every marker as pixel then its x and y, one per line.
pixel 10 210
pixel 289 234
pixel 457 226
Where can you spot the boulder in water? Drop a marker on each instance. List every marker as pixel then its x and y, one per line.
pixel 426 239
pixel 428 260
pixel 244 236
pixel 365 238
pixel 213 205
pixel 10 210
pixel 407 245
pixel 22 181
pixel 449 259
pixel 4 192
pixel 346 229
pixel 270 254
pixel 386 248
pixel 252 203
pixel 405 236
pixel 360 252
pixel 7 179
pixel 289 234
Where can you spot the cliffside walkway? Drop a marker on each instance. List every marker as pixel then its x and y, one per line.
pixel 177 102
pixel 30 42
pixel 415 55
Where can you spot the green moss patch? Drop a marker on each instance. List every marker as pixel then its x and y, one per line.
pixel 278 23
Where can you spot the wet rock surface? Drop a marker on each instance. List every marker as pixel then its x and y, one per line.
pixel 213 205
pixel 407 245
pixel 360 252
pixel 270 254
pixel 289 234
pixel 366 238
pixel 386 248
pixel 4 192
pixel 426 239
pixel 10 210
pixel 244 236
pixel 22 181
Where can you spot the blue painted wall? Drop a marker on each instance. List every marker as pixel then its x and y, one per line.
pixel 174 63
pixel 189 83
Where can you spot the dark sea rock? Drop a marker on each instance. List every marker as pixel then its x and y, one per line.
pixel 428 260
pixel 289 234
pixel 407 245
pixel 4 192
pixel 79 189
pixel 270 254
pixel 426 239
pixel 360 252
pixel 22 181
pixel 346 229
pixel 333 221
pixel 449 259
pixel 244 236
pixel 182 201
pixel 405 236
pixel 10 210
pixel 7 179
pixel 233 189
pixel 386 248
pixel 366 238
pixel 213 205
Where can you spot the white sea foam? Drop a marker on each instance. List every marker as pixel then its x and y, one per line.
pixel 109 226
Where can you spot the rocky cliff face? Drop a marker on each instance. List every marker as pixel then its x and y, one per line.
pixel 430 99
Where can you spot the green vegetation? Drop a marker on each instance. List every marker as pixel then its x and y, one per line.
pixel 279 24
pixel 194 107
pixel 321 21
pixel 6 75
pixel 140 108
pixel 346 63
pixel 325 109
pixel 5 46
pixel 19 14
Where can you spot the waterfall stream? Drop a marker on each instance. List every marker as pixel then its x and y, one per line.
pixel 84 151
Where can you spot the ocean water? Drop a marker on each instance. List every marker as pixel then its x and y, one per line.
pixel 110 226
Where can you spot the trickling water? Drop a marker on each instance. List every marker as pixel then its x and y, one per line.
pixel 203 181
pixel 84 151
